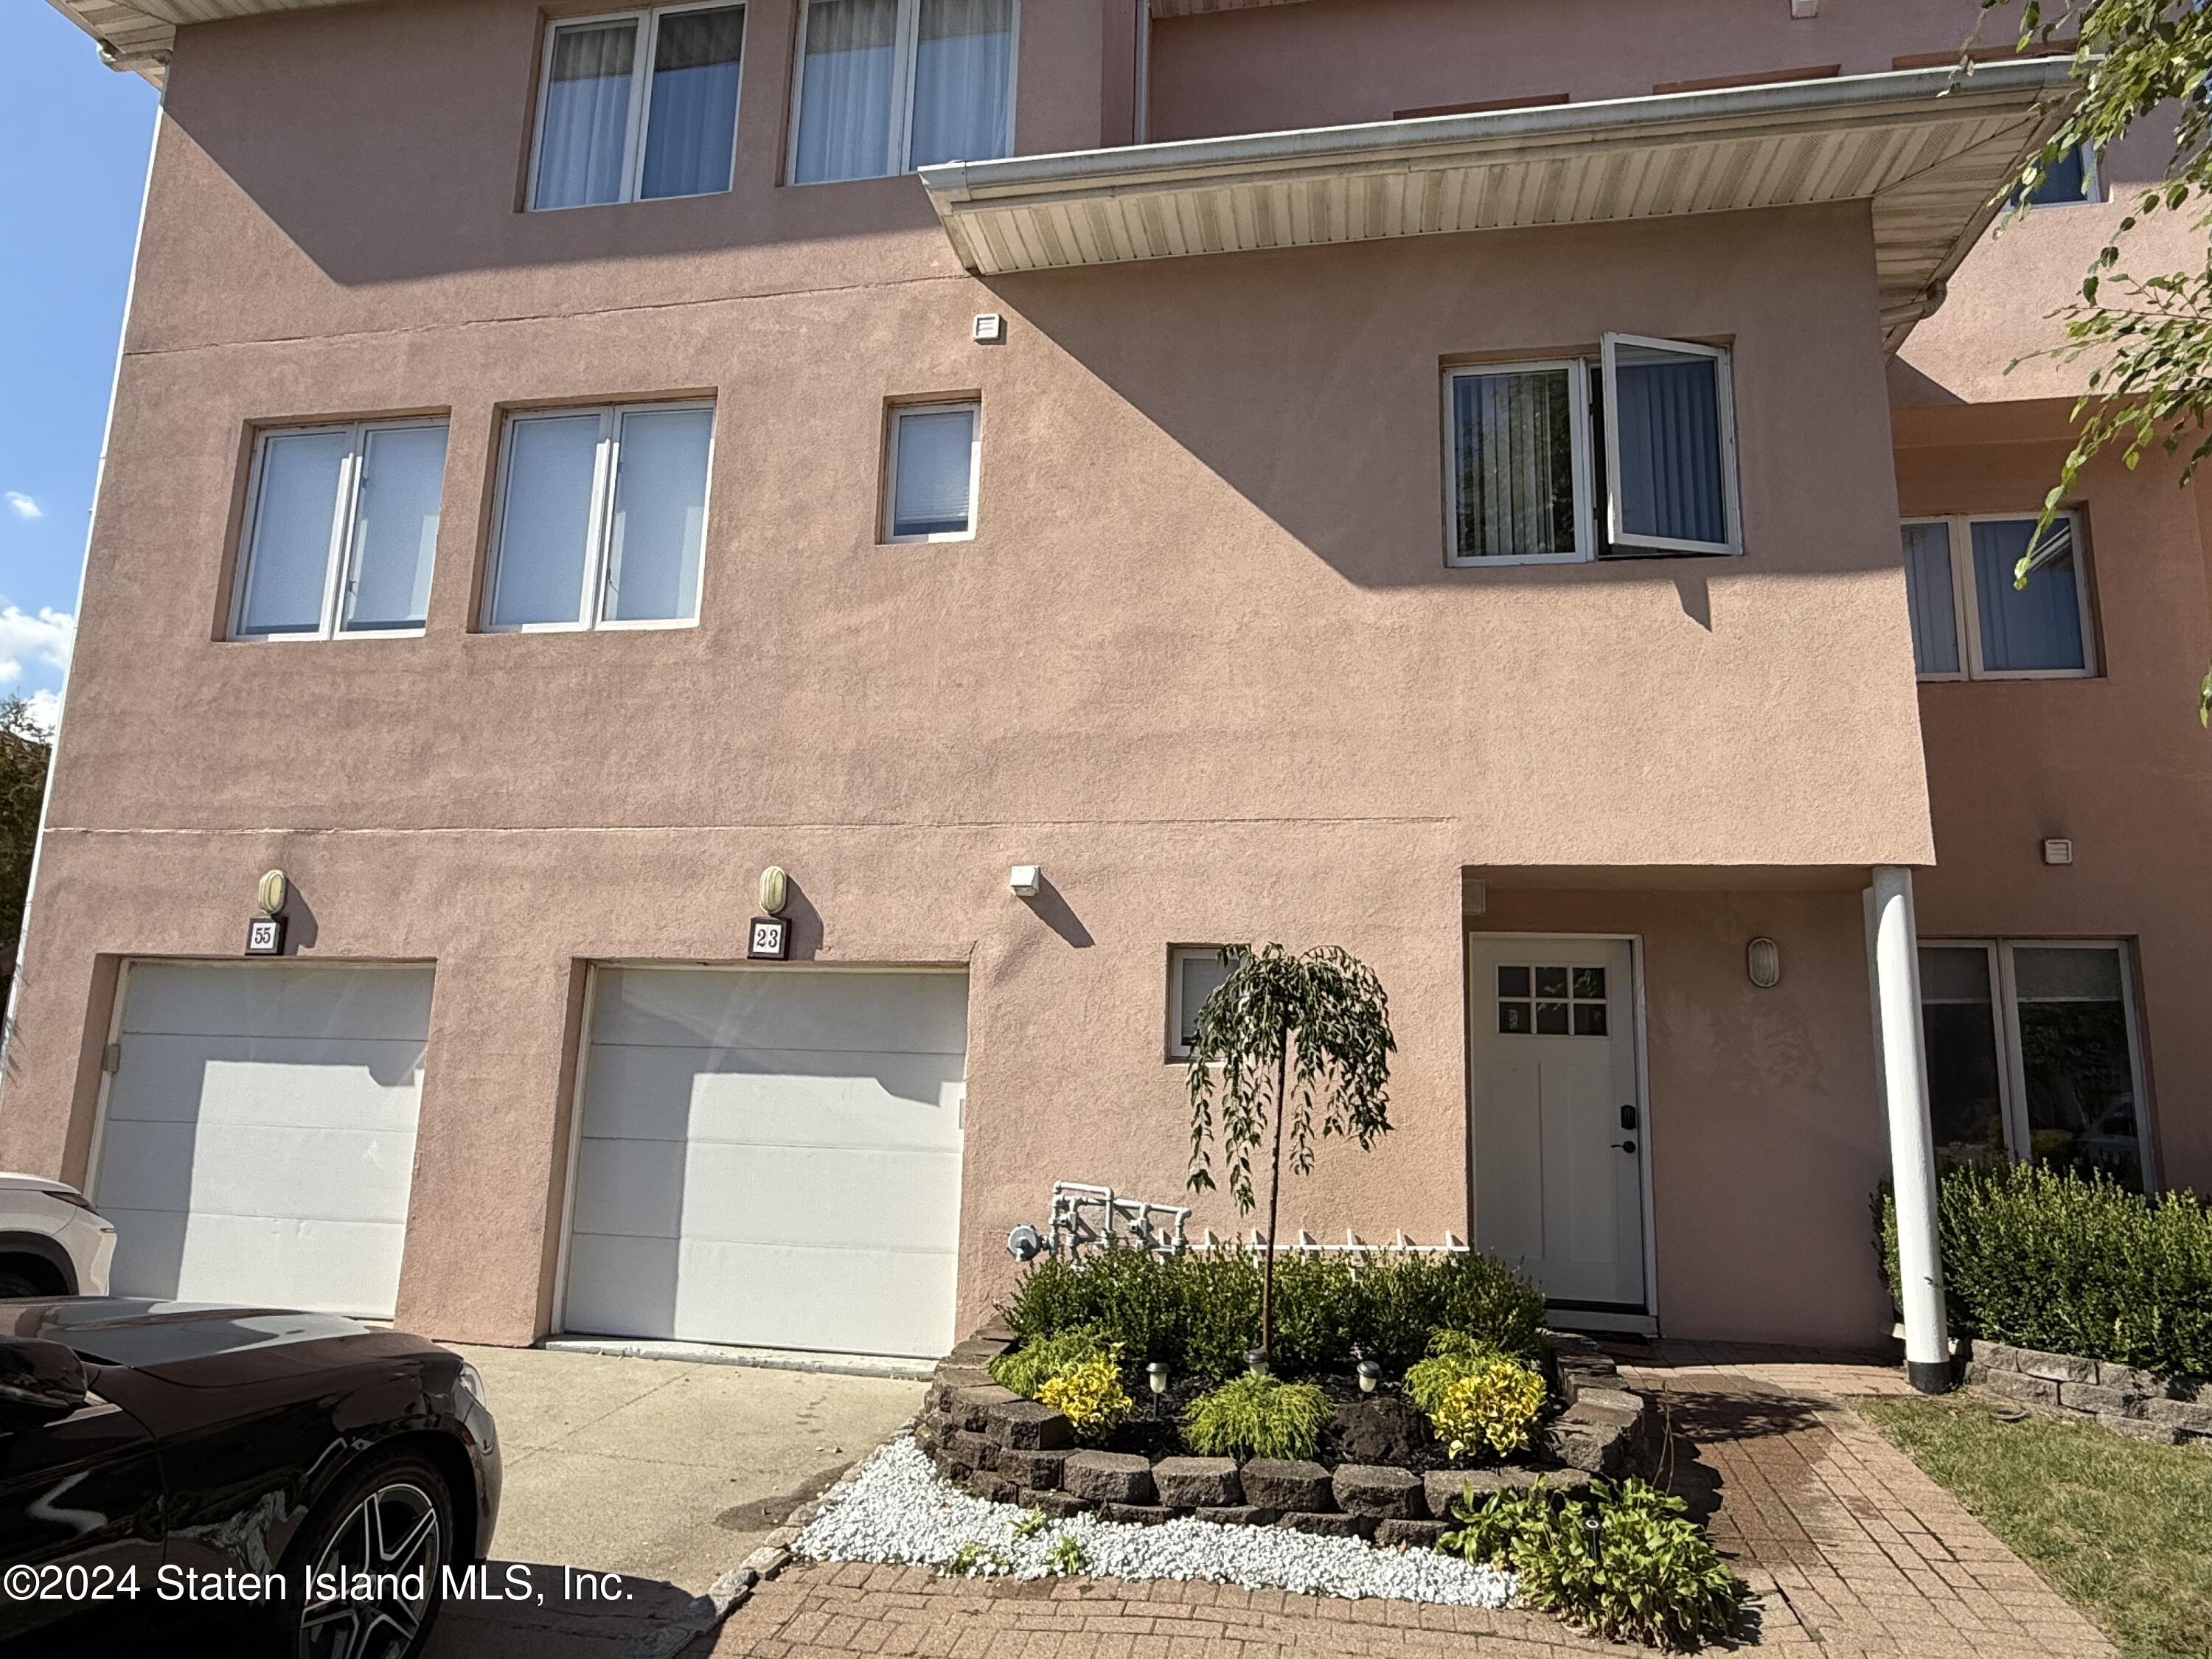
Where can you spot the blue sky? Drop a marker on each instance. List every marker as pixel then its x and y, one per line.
pixel 73 146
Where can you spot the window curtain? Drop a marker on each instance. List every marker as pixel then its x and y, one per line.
pixel 691 123
pixel 1514 452
pixel 935 464
pixel 845 91
pixel 545 528
pixel 2037 626
pixel 1929 598
pixel 661 515
pixel 585 144
pixel 1669 423
pixel 293 522
pixel 395 535
pixel 963 72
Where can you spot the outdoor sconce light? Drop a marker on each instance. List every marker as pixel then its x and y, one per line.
pixel 1369 1375
pixel 272 892
pixel 775 889
pixel 1025 880
pixel 1763 962
pixel 1156 1374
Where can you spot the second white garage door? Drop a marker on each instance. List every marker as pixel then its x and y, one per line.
pixel 258 1141
pixel 770 1158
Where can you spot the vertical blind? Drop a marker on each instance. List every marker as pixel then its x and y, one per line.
pixel 288 561
pixel 963 72
pixel 660 515
pixel 1513 457
pixel 1930 598
pixel 2037 626
pixel 691 123
pixel 934 468
pixel 1668 417
pixel 584 147
pixel 545 526
pixel 845 90
pixel 395 534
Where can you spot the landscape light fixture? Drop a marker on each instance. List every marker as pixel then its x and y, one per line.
pixel 1369 1375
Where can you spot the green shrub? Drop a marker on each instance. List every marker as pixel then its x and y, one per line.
pixel 1028 1368
pixel 1089 1394
pixel 1478 1400
pixel 1644 1572
pixel 1197 1311
pixel 1257 1416
pixel 2048 1259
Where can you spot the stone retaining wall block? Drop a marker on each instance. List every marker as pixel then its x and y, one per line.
pixel 1030 1425
pixel 1327 1524
pixel 1289 1486
pixel 1109 1476
pixel 1198 1482
pixel 1411 1535
pixel 1375 1489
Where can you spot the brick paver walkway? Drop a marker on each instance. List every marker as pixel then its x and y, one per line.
pixel 1850 1550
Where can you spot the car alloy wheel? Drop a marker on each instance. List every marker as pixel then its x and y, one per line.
pixel 377 1582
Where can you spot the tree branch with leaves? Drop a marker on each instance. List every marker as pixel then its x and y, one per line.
pixel 2149 338
pixel 1295 1046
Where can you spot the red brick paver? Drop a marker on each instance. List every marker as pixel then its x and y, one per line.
pixel 1850 1550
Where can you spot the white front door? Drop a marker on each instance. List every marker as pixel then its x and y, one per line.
pixel 1557 1120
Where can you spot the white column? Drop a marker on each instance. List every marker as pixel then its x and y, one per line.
pixel 1895 946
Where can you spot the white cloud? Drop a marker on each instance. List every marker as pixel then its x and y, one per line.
pixel 47 639
pixel 25 507
pixel 44 709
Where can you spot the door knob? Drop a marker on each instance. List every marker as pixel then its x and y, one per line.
pixel 1624 1146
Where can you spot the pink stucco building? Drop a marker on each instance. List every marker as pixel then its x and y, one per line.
pixel 1527 492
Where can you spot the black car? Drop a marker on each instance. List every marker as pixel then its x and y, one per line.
pixel 302 1480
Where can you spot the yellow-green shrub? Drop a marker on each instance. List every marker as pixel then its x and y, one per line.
pixel 1089 1394
pixel 1026 1369
pixel 1479 1400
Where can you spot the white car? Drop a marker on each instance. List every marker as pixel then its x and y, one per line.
pixel 52 1241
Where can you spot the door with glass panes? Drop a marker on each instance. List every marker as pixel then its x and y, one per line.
pixel 2032 1053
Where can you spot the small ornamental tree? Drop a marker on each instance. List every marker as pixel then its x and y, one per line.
pixel 1286 1042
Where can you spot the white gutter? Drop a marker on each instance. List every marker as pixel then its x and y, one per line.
pixel 1674 116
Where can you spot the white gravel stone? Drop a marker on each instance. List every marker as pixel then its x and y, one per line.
pixel 895 1508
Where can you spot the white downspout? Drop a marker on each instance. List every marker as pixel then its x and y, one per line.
pixel 1895 946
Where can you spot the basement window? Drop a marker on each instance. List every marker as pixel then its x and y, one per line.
pixel 1563 461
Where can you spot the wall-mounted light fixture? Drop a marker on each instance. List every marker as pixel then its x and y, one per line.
pixel 265 933
pixel 1762 960
pixel 1025 880
pixel 775 889
pixel 272 892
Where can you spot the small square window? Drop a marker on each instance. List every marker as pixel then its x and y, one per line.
pixel 1513 981
pixel 1550 1019
pixel 1195 972
pixel 1590 1019
pixel 1514 1019
pixel 1551 981
pixel 935 459
pixel 341 531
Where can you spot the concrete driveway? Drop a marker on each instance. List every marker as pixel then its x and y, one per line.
pixel 665 1473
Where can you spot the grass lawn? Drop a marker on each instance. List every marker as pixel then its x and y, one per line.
pixel 2123 1530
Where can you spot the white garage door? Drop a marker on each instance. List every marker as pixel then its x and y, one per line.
pixel 259 1136
pixel 770 1158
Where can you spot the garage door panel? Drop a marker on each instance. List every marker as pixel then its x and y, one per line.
pixel 295 1000
pixel 621 1286
pixel 629 1188
pixel 842 1197
pixel 845 1301
pixel 328 1267
pixel 723 1094
pixel 267 1155
pixel 770 1158
pixel 352 1083
pixel 724 1008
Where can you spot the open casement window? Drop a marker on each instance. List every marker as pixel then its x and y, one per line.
pixel 1669 447
pixel 2032 1053
pixel 1970 620
pixel 637 106
pixel 341 531
pixel 935 466
pixel 602 517
pixel 1195 972
pixel 887 86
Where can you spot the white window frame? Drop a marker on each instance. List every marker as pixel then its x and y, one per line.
pixel 2012 1065
pixel 606 462
pixel 641 95
pixel 1966 613
pixel 2093 186
pixel 899 152
pixel 1578 438
pixel 1179 957
pixel 892 452
pixel 1724 398
pixel 345 526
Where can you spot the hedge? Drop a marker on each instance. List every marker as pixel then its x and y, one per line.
pixel 2045 1258
pixel 1197 1311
